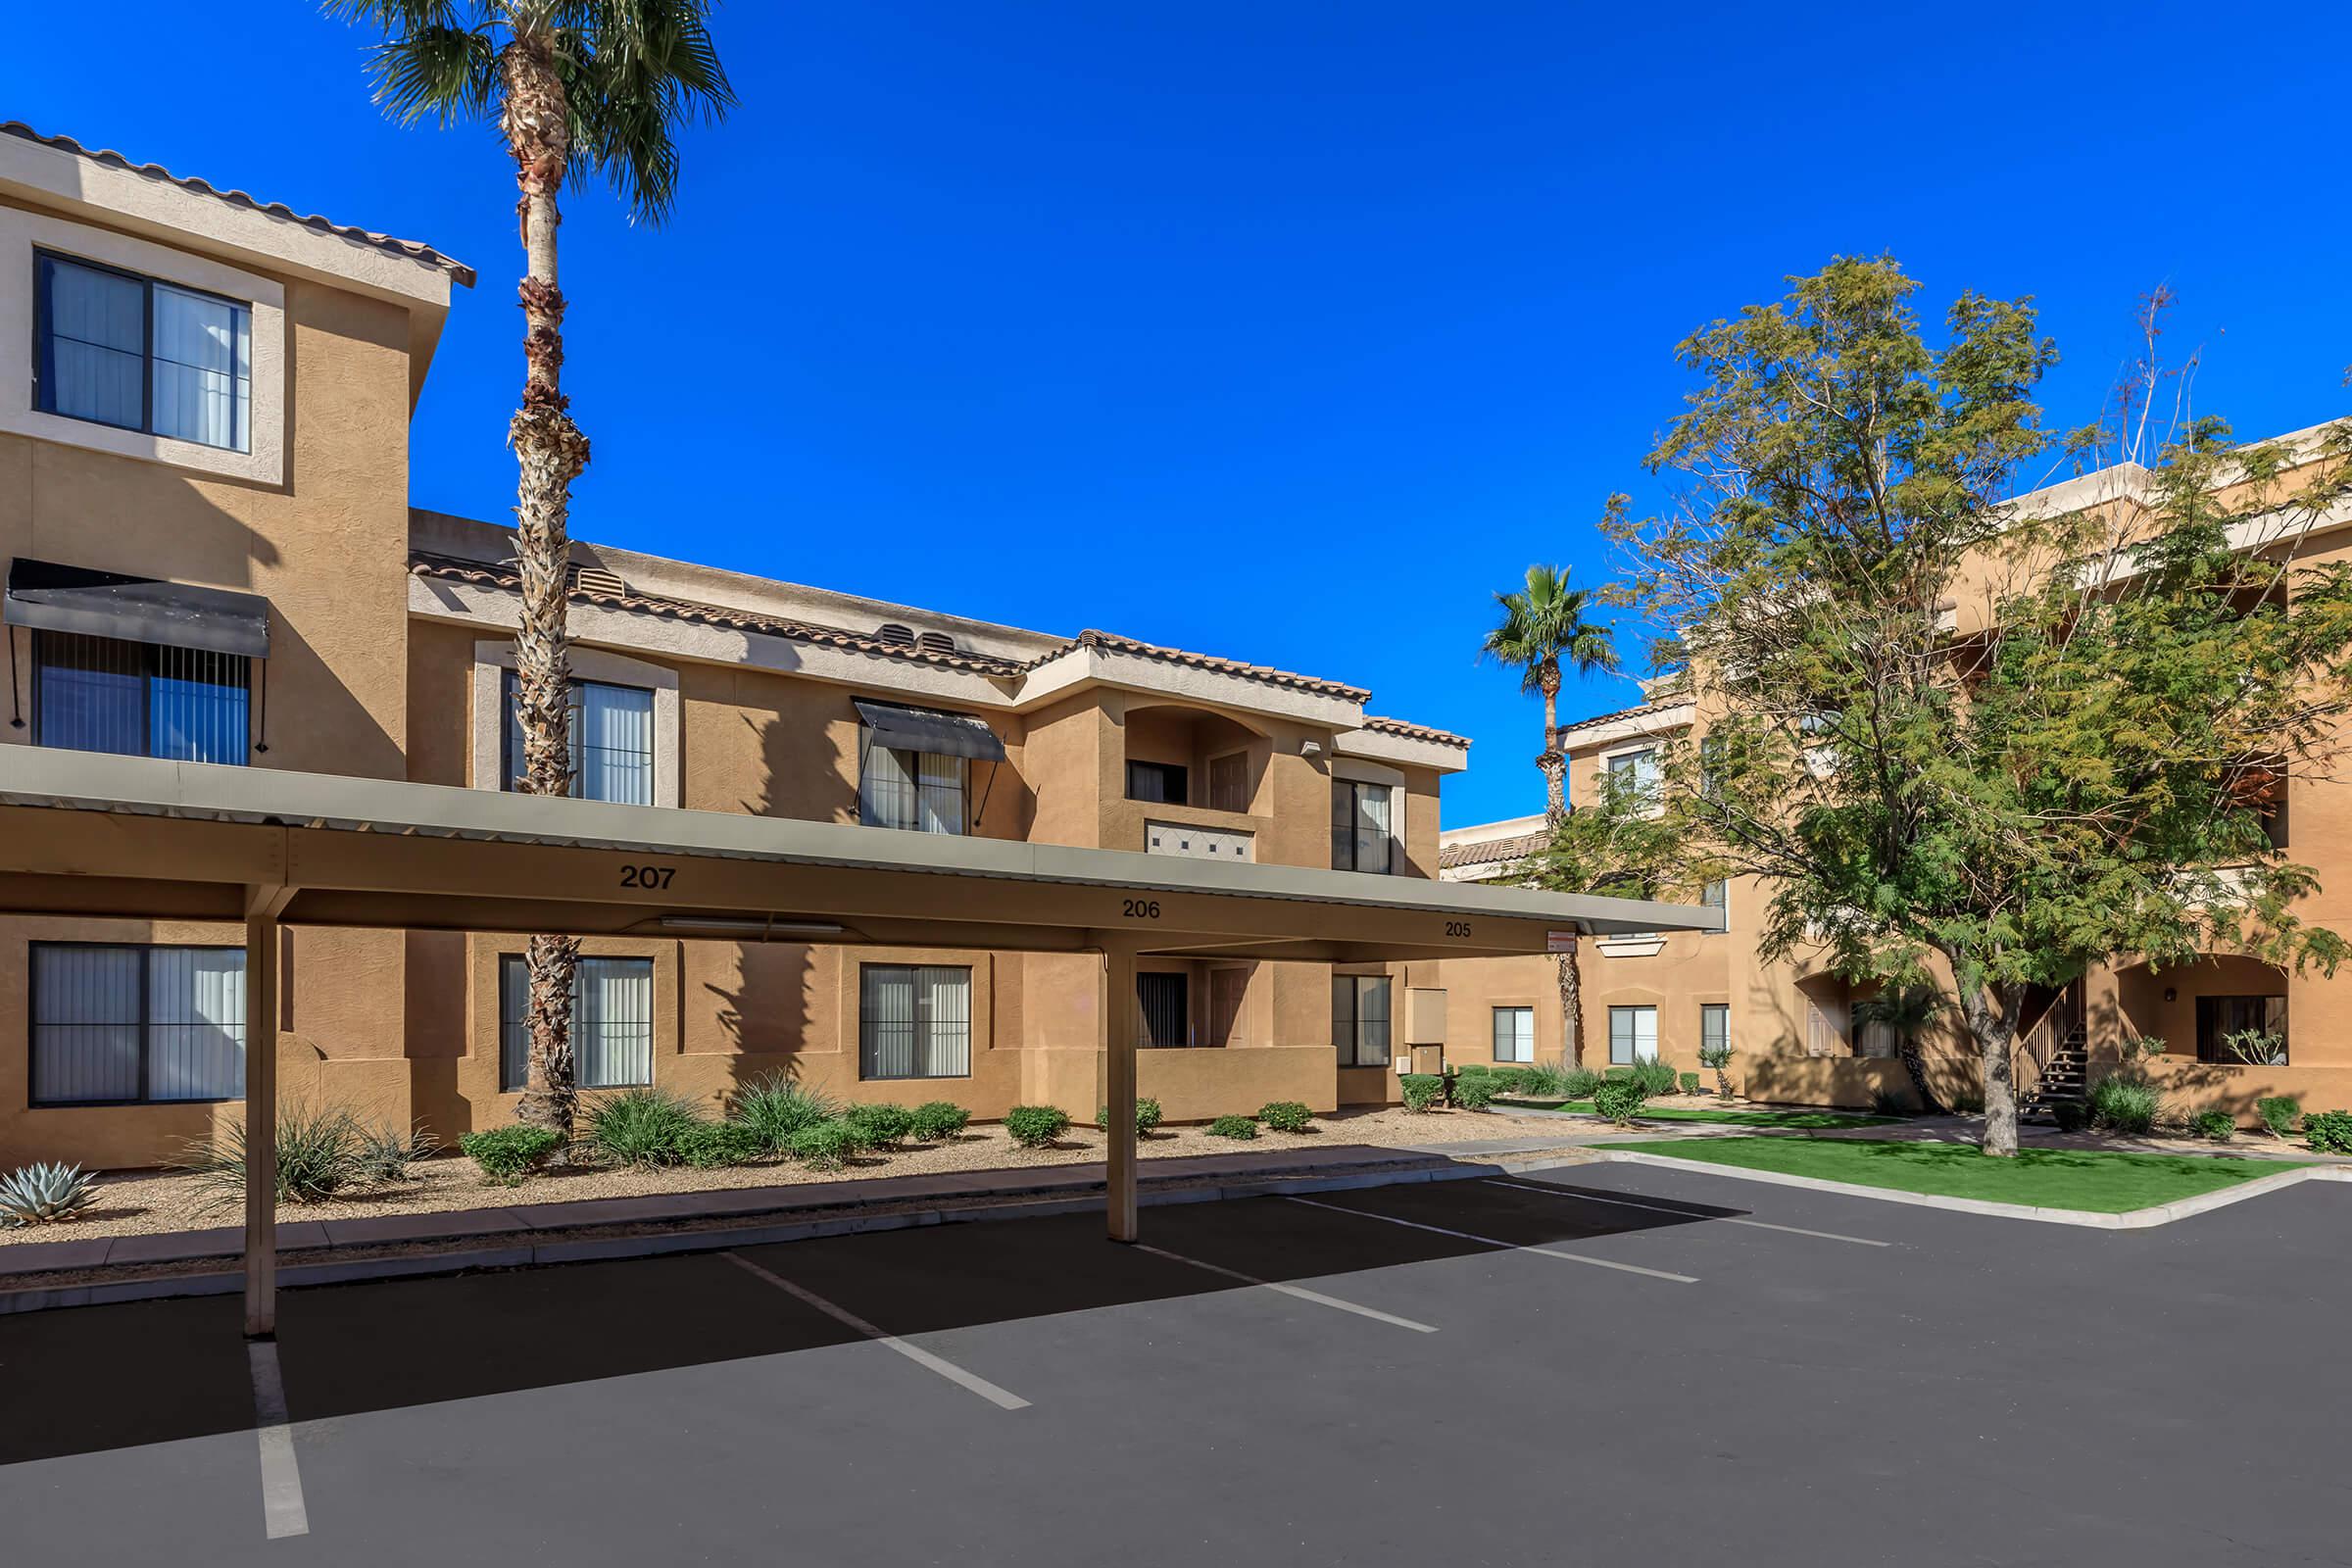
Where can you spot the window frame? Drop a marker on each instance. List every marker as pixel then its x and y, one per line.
pixel 2209 1050
pixel 1494 1033
pixel 867 746
pixel 515 965
pixel 1179 772
pixel 1635 1047
pixel 1180 983
pixel 44 376
pixel 1714 1011
pixel 922 1024
pixel 1351 1054
pixel 1354 789
pixel 510 765
pixel 150 658
pixel 146 1024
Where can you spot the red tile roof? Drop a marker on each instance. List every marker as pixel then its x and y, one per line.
pixel 410 249
pixel 1415 732
pixel 1638 711
pixel 1490 851
pixel 1113 643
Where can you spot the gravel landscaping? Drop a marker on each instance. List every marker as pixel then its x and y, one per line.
pixel 136 1203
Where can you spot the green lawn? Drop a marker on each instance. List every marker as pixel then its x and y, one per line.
pixel 1815 1120
pixel 2091 1180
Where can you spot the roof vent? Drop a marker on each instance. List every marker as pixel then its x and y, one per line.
pixel 597 580
pixel 895 635
pixel 936 642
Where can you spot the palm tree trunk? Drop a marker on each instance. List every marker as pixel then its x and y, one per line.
pixel 1555 812
pixel 549 454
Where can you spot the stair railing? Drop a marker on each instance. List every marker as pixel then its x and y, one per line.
pixel 2038 1045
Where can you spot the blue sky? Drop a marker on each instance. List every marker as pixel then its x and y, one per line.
pixel 1278 330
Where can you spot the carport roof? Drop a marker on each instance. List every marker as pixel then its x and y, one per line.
pixel 82 833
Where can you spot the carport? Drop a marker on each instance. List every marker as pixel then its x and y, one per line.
pixel 90 835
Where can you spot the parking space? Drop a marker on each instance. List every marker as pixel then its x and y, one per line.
pixel 1386 1375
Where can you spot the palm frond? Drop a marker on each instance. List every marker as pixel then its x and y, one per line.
pixel 435 61
pixel 1543 625
pixel 635 71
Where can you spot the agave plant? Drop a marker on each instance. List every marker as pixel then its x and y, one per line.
pixel 36 1194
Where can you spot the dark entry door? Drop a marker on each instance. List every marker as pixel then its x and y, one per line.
pixel 1163 998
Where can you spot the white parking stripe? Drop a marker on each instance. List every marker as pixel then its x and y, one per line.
pixel 1711 1219
pixel 1513 1246
pixel 282 1511
pixel 1298 1291
pixel 954 1374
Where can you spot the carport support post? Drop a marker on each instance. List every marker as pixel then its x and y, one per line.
pixel 263 906
pixel 1118 1061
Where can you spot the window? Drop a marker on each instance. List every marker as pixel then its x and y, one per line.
pixel 1714 896
pixel 1714 1025
pixel 1632 1036
pixel 1359 1019
pixel 911 789
pixel 1163 1002
pixel 1360 826
pixel 1159 783
pixel 119 349
pixel 612 742
pixel 612 1023
pixel 913 1021
pixel 1633 777
pixel 1514 1034
pixel 2218 1017
pixel 1229 783
pixel 101 694
pixel 124 1023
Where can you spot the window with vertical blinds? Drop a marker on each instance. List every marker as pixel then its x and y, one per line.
pixel 102 694
pixel 1514 1034
pixel 914 1021
pixel 1360 826
pixel 1359 1019
pixel 115 348
pixel 612 742
pixel 1164 1004
pixel 1714 1025
pixel 1633 1035
pixel 916 791
pixel 121 1024
pixel 612 1023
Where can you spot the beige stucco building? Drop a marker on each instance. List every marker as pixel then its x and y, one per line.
pixel 211 556
pixel 1793 1023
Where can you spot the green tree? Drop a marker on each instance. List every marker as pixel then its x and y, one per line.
pixel 1543 625
pixel 581 92
pixel 1959 741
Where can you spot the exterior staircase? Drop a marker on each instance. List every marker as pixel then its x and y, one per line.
pixel 2065 1076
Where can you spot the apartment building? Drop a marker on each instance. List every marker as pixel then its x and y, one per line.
pixel 211 557
pixel 1794 1024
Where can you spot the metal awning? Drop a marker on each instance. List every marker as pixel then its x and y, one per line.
pixel 104 604
pixel 927 729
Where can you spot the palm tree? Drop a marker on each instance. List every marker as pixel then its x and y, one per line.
pixel 579 90
pixel 1541 625
pixel 1907 1012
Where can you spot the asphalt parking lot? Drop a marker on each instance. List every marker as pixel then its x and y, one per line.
pixel 1597 1365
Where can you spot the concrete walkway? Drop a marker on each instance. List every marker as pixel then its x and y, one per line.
pixel 60 1273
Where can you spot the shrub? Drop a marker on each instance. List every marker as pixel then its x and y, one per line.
pixel 707 1144
pixel 827 1144
pixel 1510 1080
pixel 884 1125
pixel 1717 1060
pixel 2125 1106
pixel 1421 1090
pixel 1655 1076
pixel 1474 1092
pixel 2217 1125
pixel 2280 1114
pixel 1244 1128
pixel 1286 1115
pixel 642 1128
pixel 504 1155
pixel 937 1120
pixel 2330 1131
pixel 1148 1115
pixel 1690 1083
pixel 1965 1102
pixel 2070 1115
pixel 776 1107
pixel 386 1152
pixel 319 1154
pixel 40 1195
pixel 1619 1099
pixel 1581 1083
pixel 1036 1126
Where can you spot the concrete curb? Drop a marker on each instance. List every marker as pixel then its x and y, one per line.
pixel 529 1254
pixel 2137 1219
